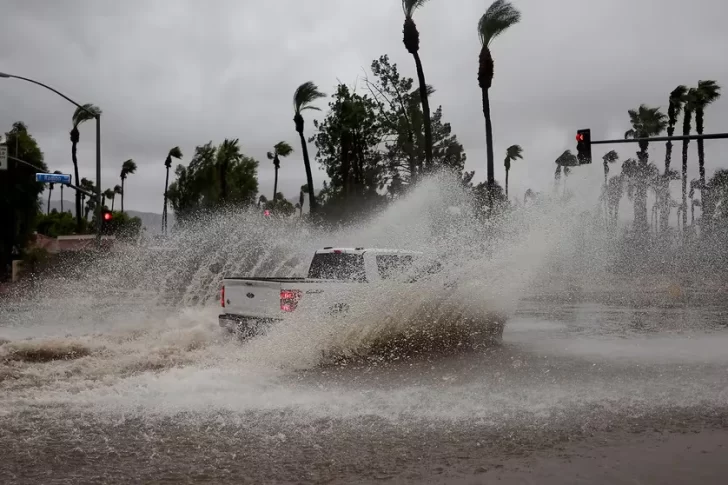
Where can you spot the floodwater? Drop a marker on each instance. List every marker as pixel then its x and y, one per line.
pixel 577 393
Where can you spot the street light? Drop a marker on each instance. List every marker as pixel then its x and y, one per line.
pixel 98 144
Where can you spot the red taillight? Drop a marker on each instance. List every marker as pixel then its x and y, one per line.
pixel 289 300
pixel 222 296
pixel 337 251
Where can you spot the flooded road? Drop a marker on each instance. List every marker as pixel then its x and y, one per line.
pixel 579 392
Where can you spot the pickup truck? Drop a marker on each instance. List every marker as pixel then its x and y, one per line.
pixel 251 305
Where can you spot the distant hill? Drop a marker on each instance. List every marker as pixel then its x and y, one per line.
pixel 151 221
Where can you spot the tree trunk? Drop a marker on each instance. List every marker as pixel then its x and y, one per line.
pixel 309 176
pixel 61 198
pixel 275 185
pixel 50 192
pixel 686 131
pixel 425 110
pixel 79 227
pixel 164 209
pixel 113 199
pixel 122 195
pixel 488 139
pixel 706 203
pixel 507 170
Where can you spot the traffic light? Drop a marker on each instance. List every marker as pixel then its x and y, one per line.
pixel 106 218
pixel 583 146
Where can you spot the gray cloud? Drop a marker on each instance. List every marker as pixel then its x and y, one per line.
pixel 172 73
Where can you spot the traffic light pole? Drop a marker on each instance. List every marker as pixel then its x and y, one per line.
pixel 710 136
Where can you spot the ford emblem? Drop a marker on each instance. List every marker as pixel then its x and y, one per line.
pixel 250 295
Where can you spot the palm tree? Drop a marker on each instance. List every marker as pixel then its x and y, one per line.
pixel 107 194
pixel 411 41
pixel 610 157
pixel 82 114
pixel 227 154
pixel 117 191
pixel 50 193
pixel 281 149
pixel 689 106
pixel 677 100
pixel 694 184
pixel 706 93
pixel 565 161
pixel 173 153
pixel 646 122
pixel 306 94
pixel 513 153
pixel 127 168
pixel 89 204
pixel 497 19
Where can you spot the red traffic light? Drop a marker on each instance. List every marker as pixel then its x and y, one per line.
pixel 266 213
pixel 579 137
pixel 107 216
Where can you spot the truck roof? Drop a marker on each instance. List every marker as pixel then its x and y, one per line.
pixel 362 250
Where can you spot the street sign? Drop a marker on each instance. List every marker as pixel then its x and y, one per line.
pixel 3 157
pixel 52 178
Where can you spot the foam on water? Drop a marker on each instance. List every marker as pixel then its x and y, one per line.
pixel 139 332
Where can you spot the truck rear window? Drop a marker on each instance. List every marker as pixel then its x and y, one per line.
pixel 338 266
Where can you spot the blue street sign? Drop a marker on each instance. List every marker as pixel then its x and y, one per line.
pixel 52 178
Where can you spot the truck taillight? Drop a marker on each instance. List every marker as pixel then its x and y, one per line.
pixel 222 296
pixel 289 300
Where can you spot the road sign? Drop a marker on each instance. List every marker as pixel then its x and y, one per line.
pixel 52 178
pixel 3 157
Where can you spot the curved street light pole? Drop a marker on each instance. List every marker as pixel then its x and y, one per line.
pixel 97 116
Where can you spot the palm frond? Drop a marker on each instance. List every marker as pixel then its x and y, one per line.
pixel 270 155
pixel 497 19
pixel 707 92
pixel 175 153
pixel 85 113
pixel 283 149
pixel 409 6
pixel 514 152
pixel 306 94
pixel 128 167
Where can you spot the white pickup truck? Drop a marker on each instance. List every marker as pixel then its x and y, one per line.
pixel 250 305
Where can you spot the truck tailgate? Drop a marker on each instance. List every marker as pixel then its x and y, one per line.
pixel 257 299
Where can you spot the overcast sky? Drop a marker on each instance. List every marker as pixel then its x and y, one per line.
pixel 175 72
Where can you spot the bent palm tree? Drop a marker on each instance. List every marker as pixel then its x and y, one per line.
pixel 117 191
pixel 513 153
pixel 707 93
pixel 411 39
pixel 306 94
pixel 81 115
pixel 127 168
pixel 281 149
pixel 107 194
pixel 610 157
pixel 688 110
pixel 173 153
pixel 497 19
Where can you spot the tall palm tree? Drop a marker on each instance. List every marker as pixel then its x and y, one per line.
pixel 677 100
pixel 706 93
pixel 81 115
pixel 127 168
pixel 497 19
pixel 173 153
pixel 107 194
pixel 117 191
pixel 411 39
pixel 306 94
pixel 688 110
pixel 513 153
pixel 646 122
pixel 281 149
